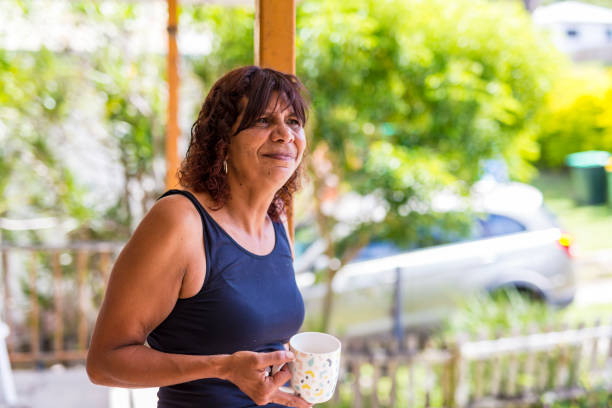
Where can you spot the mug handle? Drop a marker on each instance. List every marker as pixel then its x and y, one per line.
pixel 288 390
pixel 276 368
pixel 273 369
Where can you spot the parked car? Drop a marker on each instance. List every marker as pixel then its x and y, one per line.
pixel 516 242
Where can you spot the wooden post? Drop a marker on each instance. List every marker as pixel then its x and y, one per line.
pixel 104 265
pixel 398 328
pixel 7 301
pixel 172 127
pixel 531 366
pixel 574 372
pixel 594 357
pixel 82 299
pixel 275 46
pixel 374 401
pixel 392 367
pixel 275 34
pixel 34 310
pixel 58 321
pixel 356 369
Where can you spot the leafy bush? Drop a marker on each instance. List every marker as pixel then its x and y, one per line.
pixel 578 115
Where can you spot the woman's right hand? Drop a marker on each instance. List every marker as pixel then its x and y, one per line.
pixel 249 371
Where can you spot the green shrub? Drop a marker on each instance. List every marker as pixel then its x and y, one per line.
pixel 578 115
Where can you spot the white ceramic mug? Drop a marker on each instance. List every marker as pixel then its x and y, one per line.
pixel 314 372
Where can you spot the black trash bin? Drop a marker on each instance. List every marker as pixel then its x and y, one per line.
pixel 588 176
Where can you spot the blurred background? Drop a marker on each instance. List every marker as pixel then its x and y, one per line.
pixel 454 226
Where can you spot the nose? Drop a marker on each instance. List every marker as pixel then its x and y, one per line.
pixel 281 133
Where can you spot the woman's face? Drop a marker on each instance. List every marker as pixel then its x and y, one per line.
pixel 268 152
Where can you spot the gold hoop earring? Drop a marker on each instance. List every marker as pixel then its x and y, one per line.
pixel 225 166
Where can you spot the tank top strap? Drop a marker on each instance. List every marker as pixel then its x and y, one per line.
pixel 281 234
pixel 207 221
pixel 210 236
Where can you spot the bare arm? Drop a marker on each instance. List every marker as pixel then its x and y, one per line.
pixel 142 290
pixel 147 279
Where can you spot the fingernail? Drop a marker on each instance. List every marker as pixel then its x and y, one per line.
pixel 289 355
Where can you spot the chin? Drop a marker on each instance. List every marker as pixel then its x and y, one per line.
pixel 279 174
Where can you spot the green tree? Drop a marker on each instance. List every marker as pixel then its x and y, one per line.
pixel 130 84
pixel 577 115
pixel 231 30
pixel 35 94
pixel 43 95
pixel 408 97
pixel 135 120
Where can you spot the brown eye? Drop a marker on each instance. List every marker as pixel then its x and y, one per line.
pixel 294 122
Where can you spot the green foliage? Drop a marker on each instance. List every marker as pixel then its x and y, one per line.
pixel 35 98
pixel 231 30
pixel 408 98
pixel 578 115
pixel 463 79
pixel 134 117
pixel 44 99
pixel 599 397
pixel 411 96
pixel 507 312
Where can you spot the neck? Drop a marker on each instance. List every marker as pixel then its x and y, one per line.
pixel 248 206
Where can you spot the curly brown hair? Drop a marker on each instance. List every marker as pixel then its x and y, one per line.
pixel 211 134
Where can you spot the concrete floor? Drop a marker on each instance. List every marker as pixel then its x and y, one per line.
pixel 59 387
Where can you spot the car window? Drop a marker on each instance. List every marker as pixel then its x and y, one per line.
pixel 494 225
pixel 377 249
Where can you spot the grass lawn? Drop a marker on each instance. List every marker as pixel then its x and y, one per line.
pixel 591 226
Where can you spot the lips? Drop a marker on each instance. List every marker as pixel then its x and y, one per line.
pixel 280 156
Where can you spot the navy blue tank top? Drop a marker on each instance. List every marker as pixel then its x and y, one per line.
pixel 247 302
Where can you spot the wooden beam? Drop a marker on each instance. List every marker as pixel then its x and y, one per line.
pixel 275 45
pixel 172 127
pixel 275 34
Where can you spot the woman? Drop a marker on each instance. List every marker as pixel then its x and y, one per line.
pixel 207 277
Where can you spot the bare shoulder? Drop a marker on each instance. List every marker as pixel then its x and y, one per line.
pixel 179 218
pixel 150 273
pixel 167 235
pixel 175 209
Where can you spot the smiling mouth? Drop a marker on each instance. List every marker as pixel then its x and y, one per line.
pixel 281 157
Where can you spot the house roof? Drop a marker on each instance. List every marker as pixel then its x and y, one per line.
pixel 572 12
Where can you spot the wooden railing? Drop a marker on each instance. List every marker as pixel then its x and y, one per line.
pixel 50 315
pixel 51 295
pixel 519 371
pixel 510 371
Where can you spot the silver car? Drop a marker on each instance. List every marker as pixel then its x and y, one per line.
pixel 518 243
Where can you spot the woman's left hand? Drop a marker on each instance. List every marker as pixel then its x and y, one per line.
pixel 288 398
pixel 291 400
